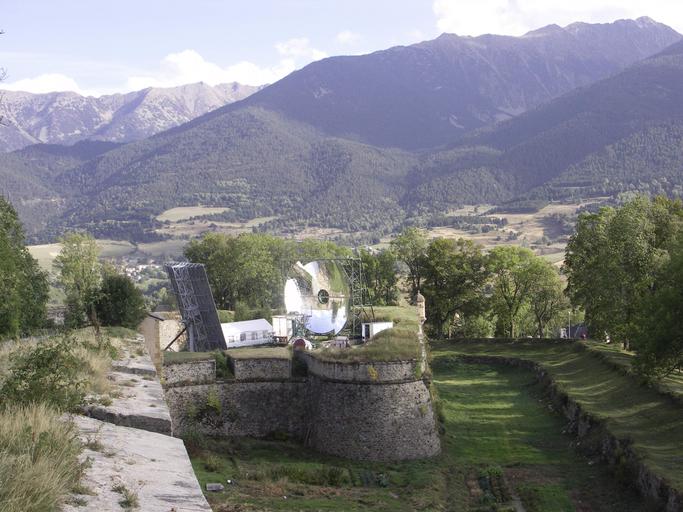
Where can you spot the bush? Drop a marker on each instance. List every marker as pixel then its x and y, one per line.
pixel 38 458
pixel 120 302
pixel 50 372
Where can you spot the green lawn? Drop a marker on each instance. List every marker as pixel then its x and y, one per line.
pixel 184 357
pixel 403 316
pixel 629 408
pixel 259 353
pixel 613 352
pixel 498 428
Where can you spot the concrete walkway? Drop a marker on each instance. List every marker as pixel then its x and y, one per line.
pixel 133 458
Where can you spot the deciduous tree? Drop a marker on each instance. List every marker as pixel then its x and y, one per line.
pixel 80 275
pixel 455 275
pixel 410 247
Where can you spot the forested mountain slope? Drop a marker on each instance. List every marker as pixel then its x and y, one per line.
pixel 625 128
pixel 614 135
pixel 427 94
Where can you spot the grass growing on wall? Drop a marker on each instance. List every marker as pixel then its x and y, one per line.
pixel 259 353
pixel 397 344
pixel 38 458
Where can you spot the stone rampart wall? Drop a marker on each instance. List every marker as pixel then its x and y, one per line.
pixel 233 408
pixel 190 372
pixel 378 422
pixel 261 369
pixel 368 419
pixel 374 372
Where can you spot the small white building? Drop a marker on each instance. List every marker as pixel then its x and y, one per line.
pixel 247 333
pixel 371 328
pixel 283 326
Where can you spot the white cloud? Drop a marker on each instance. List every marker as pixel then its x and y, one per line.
pixel 515 17
pixel 348 37
pixel 299 48
pixel 185 67
pixel 48 82
pixel 189 66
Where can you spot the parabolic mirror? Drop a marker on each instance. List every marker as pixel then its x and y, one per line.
pixel 320 292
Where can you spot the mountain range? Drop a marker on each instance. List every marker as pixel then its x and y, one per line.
pixel 68 117
pixel 370 143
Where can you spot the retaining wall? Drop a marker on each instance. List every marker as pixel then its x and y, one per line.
pixel 382 414
pixel 233 408
pixel 374 372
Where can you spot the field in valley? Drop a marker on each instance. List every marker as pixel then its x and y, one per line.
pixel 539 231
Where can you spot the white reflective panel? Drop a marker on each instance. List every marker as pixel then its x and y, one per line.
pixel 320 291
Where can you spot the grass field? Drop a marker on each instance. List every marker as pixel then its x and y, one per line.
pixel 45 254
pixel 180 223
pixel 498 428
pixel 629 408
pixel 616 355
pixel 187 212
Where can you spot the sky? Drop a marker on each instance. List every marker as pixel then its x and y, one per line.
pixel 97 47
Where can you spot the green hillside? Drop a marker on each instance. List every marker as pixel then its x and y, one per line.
pixel 621 134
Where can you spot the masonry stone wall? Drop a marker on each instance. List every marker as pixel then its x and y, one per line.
pixel 346 412
pixel 261 368
pixel 257 409
pixel 190 372
pixel 159 333
pixel 378 422
pixel 374 372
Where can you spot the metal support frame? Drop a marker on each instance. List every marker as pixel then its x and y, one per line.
pixel 353 267
pixel 194 323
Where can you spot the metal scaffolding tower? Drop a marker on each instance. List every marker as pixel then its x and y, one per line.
pixel 353 267
pixel 197 307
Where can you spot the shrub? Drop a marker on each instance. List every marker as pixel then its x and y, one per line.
pixel 49 372
pixel 38 458
pixel 119 302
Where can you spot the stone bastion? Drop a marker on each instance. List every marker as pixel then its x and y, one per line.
pixel 375 411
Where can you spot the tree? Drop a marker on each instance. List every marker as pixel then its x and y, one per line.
pixel 547 299
pixel 455 275
pixel 80 276
pixel 659 336
pixel 613 259
pixel 410 247
pixel 251 268
pixel 23 285
pixel 379 272
pixel 514 272
pixel 119 302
